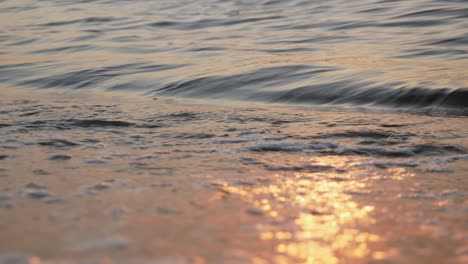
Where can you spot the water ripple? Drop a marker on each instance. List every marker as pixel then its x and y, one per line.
pixel 399 54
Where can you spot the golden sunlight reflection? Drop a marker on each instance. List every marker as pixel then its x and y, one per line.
pixel 34 260
pixel 312 217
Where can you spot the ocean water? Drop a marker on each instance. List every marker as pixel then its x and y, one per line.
pixel 211 131
pixel 128 179
pixel 403 55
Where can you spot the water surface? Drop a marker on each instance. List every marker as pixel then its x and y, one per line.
pixel 93 172
pixel 397 54
pixel 128 179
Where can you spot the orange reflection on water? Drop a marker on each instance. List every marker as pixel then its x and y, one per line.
pixel 312 216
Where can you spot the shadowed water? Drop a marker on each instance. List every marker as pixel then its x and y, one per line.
pixel 409 55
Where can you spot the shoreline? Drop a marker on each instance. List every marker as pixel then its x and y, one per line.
pixel 129 179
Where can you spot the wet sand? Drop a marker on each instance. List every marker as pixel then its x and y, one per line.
pixel 118 178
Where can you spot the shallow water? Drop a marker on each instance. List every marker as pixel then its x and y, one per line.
pixel 405 55
pixel 115 178
pixel 233 131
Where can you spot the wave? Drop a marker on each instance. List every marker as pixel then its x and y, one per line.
pixel 414 98
pixel 265 85
pixel 281 84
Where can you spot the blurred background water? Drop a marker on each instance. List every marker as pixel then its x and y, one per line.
pixel 400 54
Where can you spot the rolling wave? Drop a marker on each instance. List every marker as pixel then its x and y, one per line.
pixel 258 85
